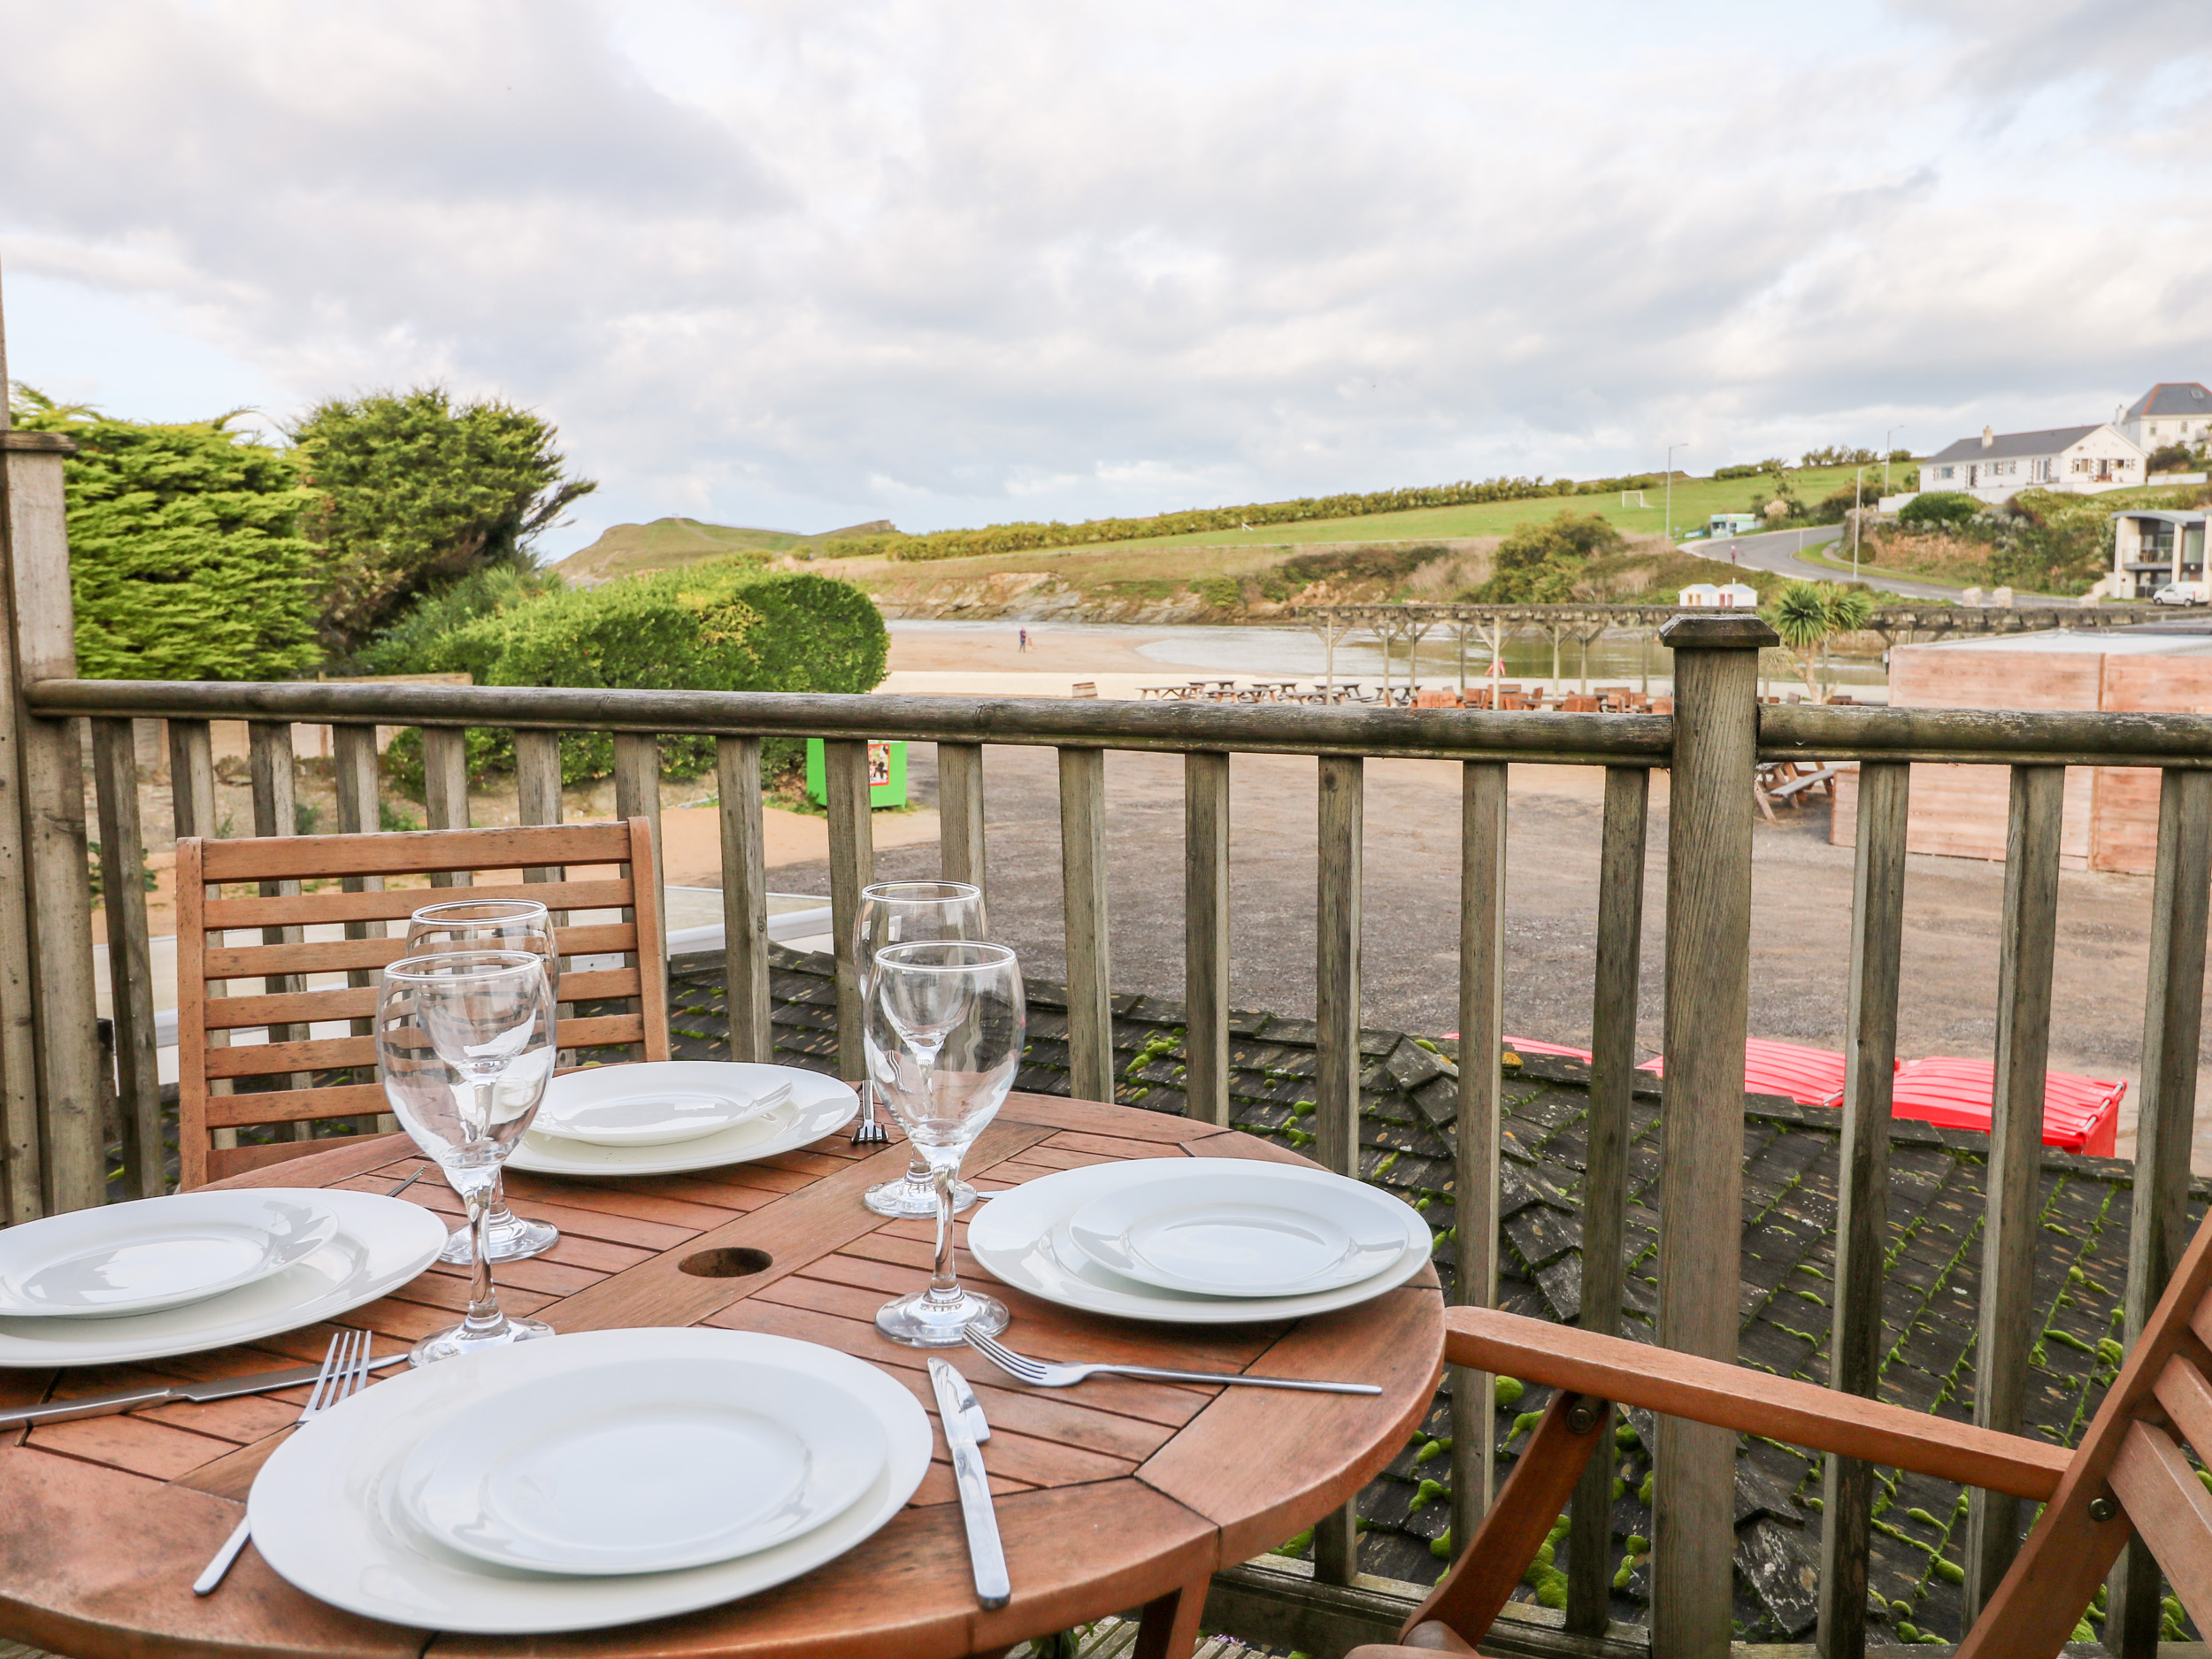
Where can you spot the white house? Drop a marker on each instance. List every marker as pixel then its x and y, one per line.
pixel 2172 412
pixel 2151 549
pixel 1727 596
pixel 1997 466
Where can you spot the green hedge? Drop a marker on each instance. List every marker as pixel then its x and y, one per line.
pixel 719 627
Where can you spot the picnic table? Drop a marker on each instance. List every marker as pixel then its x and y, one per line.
pixel 1113 1495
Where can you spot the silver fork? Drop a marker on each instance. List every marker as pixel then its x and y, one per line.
pixel 345 1368
pixel 1046 1374
pixel 868 1132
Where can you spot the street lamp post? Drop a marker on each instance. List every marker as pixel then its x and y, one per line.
pixel 1858 509
pixel 1670 510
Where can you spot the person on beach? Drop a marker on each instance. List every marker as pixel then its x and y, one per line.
pixel 1024 643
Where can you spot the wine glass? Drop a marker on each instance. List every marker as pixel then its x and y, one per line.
pixel 898 912
pixel 465 1045
pixel 493 925
pixel 944 1037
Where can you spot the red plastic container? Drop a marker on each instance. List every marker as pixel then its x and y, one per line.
pixel 1811 1076
pixel 1529 1045
pixel 2080 1114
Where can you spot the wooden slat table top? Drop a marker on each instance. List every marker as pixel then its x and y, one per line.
pixel 1110 1494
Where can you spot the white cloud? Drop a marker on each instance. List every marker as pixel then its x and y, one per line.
pixel 810 264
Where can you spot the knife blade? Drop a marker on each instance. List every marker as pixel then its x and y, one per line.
pixel 964 1423
pixel 168 1393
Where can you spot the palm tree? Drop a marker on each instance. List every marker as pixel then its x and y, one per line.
pixel 1809 614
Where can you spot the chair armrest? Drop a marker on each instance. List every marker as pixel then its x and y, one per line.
pixel 1751 1403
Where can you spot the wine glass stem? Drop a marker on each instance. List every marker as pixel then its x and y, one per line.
pixel 483 1302
pixel 944 1283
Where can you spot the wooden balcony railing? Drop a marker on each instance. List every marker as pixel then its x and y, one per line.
pixel 54 1158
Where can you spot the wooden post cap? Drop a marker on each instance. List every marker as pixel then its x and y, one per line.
pixel 1742 631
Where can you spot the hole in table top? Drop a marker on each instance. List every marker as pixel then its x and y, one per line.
pixel 726 1263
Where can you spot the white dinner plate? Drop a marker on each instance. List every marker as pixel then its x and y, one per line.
pixel 1011 1237
pixel 156 1252
pixel 643 1467
pixel 1250 1229
pixel 327 1517
pixel 816 1106
pixel 657 1104
pixel 379 1245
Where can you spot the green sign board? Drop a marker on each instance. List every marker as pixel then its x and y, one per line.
pixel 886 773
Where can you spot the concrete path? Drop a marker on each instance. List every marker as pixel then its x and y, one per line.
pixel 1777 551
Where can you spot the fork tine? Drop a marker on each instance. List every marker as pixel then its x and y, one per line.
pixel 322 1378
pixel 1012 1363
pixel 357 1371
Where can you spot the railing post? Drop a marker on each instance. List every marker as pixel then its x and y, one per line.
pixel 1205 936
pixel 360 803
pixel 22 1185
pixel 1878 928
pixel 193 812
pixel 1083 888
pixel 130 956
pixel 1700 1228
pixel 445 790
pixel 852 867
pixel 1341 834
pixel 1482 832
pixel 2158 1225
pixel 271 764
pixel 744 899
pixel 1605 1175
pixel 56 866
pixel 2005 1332
pixel 637 794
pixel 960 814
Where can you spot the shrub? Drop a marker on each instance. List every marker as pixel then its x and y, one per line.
pixel 1539 564
pixel 725 625
pixel 2171 458
pixel 1940 509
pixel 401 648
pixel 186 560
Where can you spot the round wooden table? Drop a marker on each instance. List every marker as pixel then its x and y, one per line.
pixel 1111 1495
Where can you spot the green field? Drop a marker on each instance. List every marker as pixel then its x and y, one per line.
pixel 1695 500
pixel 667 543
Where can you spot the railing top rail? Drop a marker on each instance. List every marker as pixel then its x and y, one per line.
pixel 2071 737
pixel 1068 722
pixel 1793 730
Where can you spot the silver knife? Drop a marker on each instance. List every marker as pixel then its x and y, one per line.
pixel 198 1392
pixel 965 1425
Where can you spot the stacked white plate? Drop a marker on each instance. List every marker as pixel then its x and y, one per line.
pixel 664 1117
pixel 162 1276
pixel 1200 1240
pixel 589 1480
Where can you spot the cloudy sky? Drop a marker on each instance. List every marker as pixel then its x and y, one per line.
pixel 804 265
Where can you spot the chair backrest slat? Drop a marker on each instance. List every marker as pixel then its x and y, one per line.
pixel 220 939
pixel 2171 1511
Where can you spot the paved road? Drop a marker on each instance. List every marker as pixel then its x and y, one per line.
pixel 1777 551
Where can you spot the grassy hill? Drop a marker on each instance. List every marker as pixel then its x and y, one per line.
pixel 627 550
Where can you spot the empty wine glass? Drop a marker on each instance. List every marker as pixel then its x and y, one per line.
pixel 465 1044
pixel 900 912
pixel 493 925
pixel 944 1037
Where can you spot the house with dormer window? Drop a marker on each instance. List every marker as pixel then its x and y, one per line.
pixel 1996 466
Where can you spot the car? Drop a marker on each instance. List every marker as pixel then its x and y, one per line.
pixel 2181 594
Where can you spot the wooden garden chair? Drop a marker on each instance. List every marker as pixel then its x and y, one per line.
pixel 303 1080
pixel 2129 1476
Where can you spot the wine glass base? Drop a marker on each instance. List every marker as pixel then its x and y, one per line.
pixel 454 1343
pixel 515 1242
pixel 908 1197
pixel 918 1322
